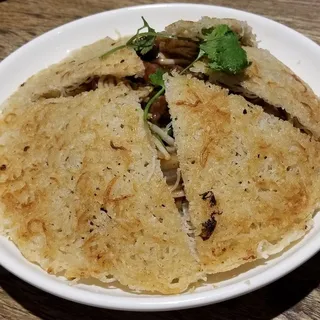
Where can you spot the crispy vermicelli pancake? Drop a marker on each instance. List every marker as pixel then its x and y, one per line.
pixel 193 29
pixel 79 71
pixel 82 193
pixel 252 180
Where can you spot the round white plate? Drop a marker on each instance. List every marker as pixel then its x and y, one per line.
pixel 295 50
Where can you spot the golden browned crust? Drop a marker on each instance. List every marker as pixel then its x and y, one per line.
pixel 79 67
pixel 192 29
pixel 82 193
pixel 271 80
pixel 252 180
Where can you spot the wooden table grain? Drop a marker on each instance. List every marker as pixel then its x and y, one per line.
pixel 294 297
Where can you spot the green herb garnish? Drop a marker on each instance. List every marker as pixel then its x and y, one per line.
pixel 142 42
pixel 157 80
pixel 223 49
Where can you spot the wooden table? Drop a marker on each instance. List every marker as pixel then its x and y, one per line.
pixel 296 296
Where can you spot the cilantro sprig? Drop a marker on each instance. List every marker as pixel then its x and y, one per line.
pixel 223 49
pixel 142 42
pixel 157 80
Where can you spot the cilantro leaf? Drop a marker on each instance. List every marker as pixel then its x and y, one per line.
pixel 157 80
pixel 143 40
pixel 218 31
pixel 224 50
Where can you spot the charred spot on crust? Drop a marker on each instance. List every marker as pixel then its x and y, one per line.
pixel 104 210
pixel 216 213
pixel 209 195
pixel 116 147
pixel 208 228
pixel 3 167
pixel 250 257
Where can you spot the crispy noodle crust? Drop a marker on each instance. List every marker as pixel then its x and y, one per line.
pixel 82 193
pixel 264 174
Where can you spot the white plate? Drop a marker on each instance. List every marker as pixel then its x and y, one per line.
pixel 298 52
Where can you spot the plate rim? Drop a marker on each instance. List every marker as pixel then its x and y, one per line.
pixel 158 303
